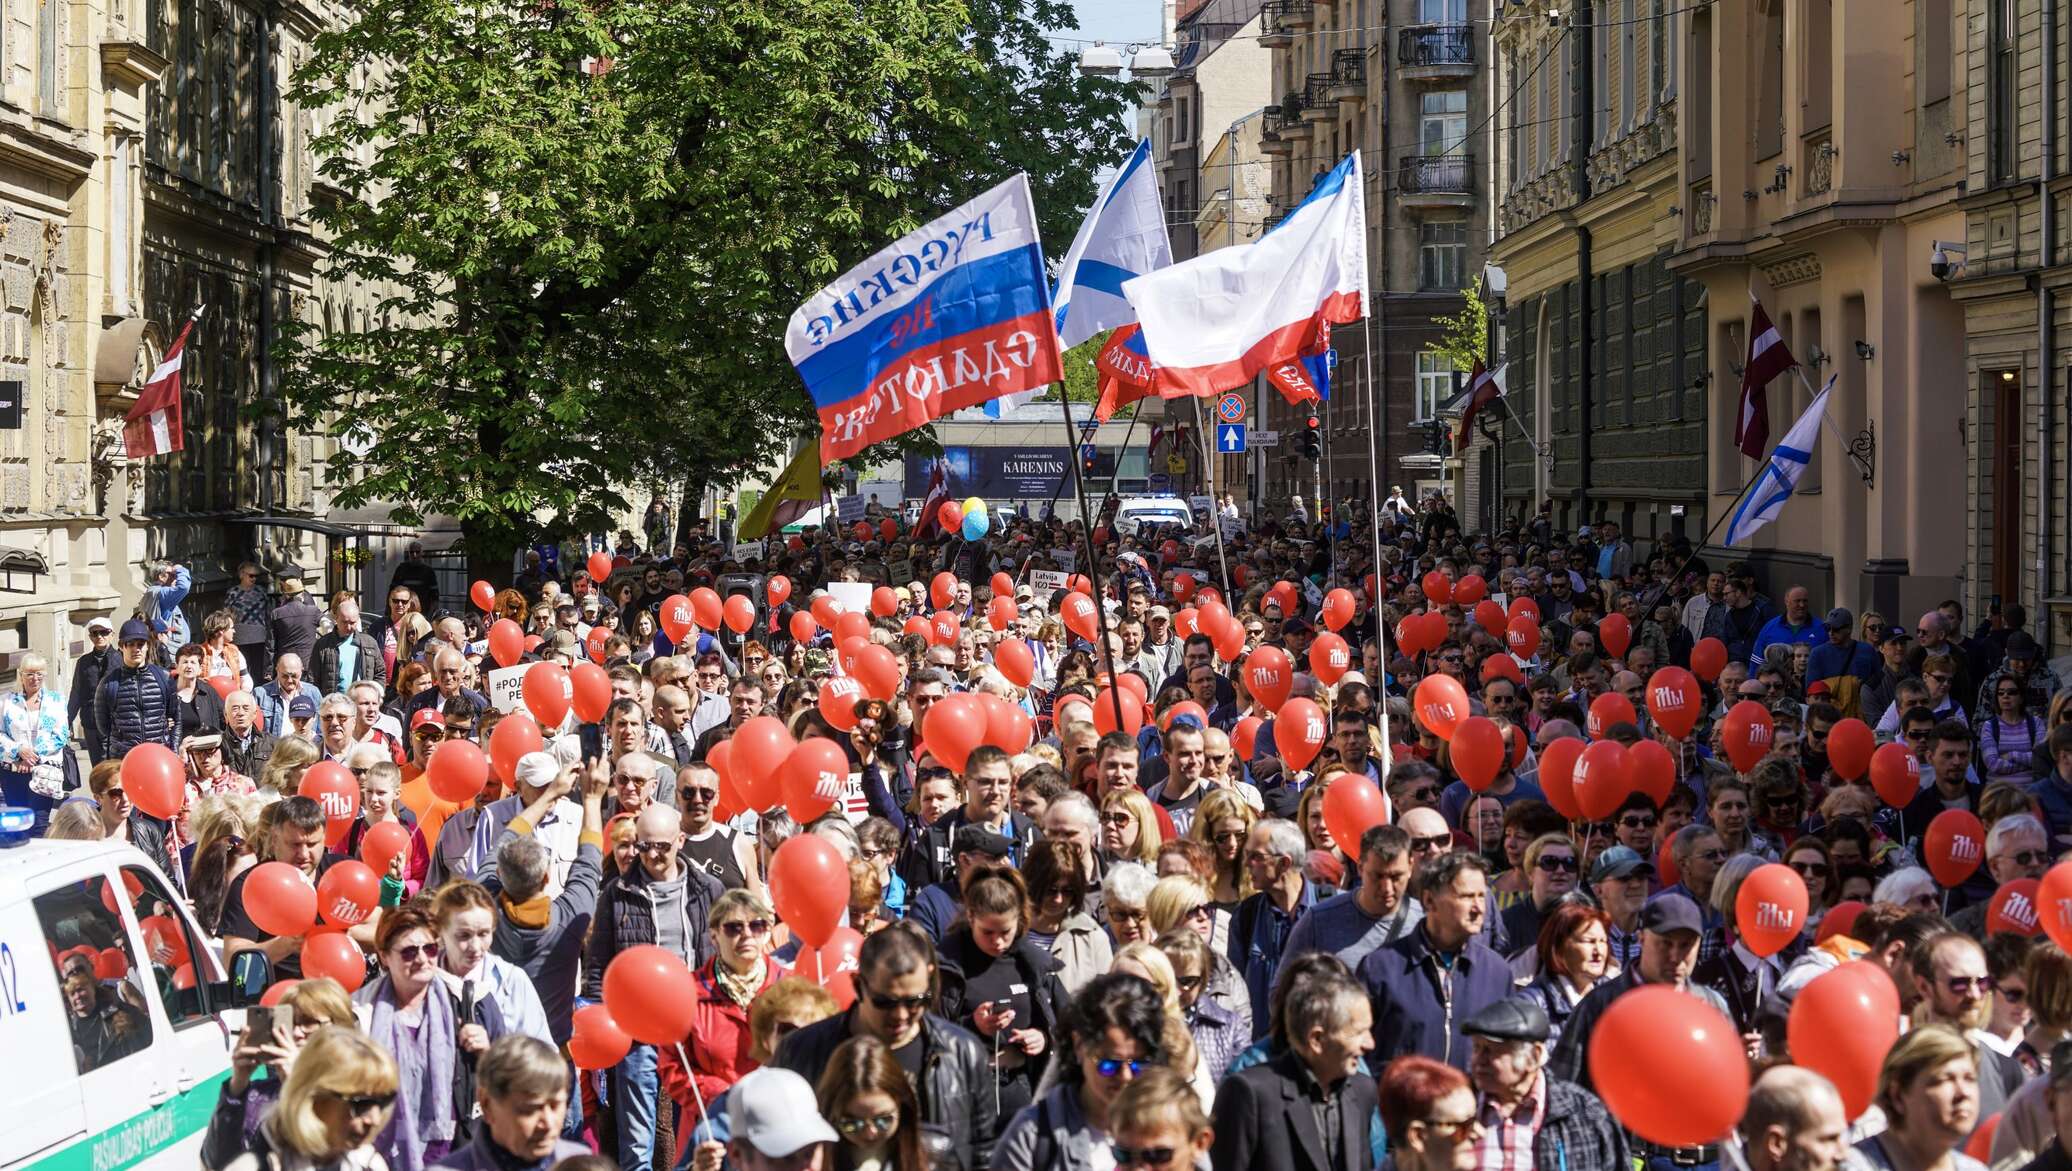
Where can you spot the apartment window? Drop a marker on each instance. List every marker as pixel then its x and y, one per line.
pixel 2002 115
pixel 1601 76
pixel 1442 11
pixel 1442 253
pixel 1769 103
pixel 1513 117
pixel 1629 64
pixel 1434 383
pixel 1443 120
pixel 48 14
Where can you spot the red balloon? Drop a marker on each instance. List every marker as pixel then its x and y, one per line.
pixel 595 1040
pixel 348 893
pixel 943 628
pixel 110 964
pixel 738 613
pixel 1770 908
pixel 1329 658
pixel 1186 623
pixel 1895 774
pixel 1557 775
pixel 331 786
pixel 1016 661
pixel 1522 635
pixel 761 746
pixel 383 842
pixel 334 955
pixel 921 626
pixel 1244 736
pixel 506 642
pixel 942 590
pixel 599 565
pixel 1477 751
pixel 1352 806
pixel 1502 667
pixel 483 595
pixel 223 685
pixel 595 642
pixel 849 624
pixel 1651 769
pixel 1674 699
pixel 1850 744
pixel 1105 706
pixel 815 774
pixel 2054 904
pixel 1442 703
pixel 456 771
pixel 803 627
pixel 837 956
pixel 1600 779
pixel 1471 589
pixel 590 692
pixel 1183 587
pixel 706 609
pixel 950 516
pixel 548 692
pixel 1008 727
pixel 1616 633
pixel 1438 587
pixel 1954 846
pixel 1525 607
pixel 515 735
pixel 1185 707
pixel 276 990
pixel 532 643
pixel 2013 909
pixel 884 603
pixel 877 669
pixel 280 899
pixel 778 590
pixel 1080 618
pixel 954 725
pixel 888 528
pixel 1747 734
pixel 1708 659
pixel 1299 732
pixel 838 698
pixel 155 780
pixel 731 802
pixel 1490 617
pixel 677 618
pixel 163 931
pixel 809 884
pixel 1000 613
pixel 651 994
pixel 1230 641
pixel 1338 608
pixel 1669 1066
pixel 1269 676
pixel 1003 586
pixel 1842 1024
pixel 1606 710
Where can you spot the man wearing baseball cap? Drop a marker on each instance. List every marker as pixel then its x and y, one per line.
pixel 136 703
pixel 88 672
pixel 773 1120
pixel 1669 932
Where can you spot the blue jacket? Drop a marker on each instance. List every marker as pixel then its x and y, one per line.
pixel 1258 939
pixel 1419 1003
pixel 1779 629
pixel 2053 794
pixel 934 908
pixel 1828 661
pixel 135 706
pixel 484 1155
pixel 161 606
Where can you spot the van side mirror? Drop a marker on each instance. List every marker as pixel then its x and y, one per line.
pixel 251 973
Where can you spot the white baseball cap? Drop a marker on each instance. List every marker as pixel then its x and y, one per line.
pixel 774 1111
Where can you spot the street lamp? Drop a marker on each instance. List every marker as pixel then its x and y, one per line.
pixel 1148 62
pixel 1098 60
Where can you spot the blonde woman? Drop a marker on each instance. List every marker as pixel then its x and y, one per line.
pixel 1221 822
pixel 282 774
pixel 247 1095
pixel 1129 829
pixel 339 1096
pixel 1181 902
pixel 1146 962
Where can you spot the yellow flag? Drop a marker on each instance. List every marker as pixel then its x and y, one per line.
pixel 796 490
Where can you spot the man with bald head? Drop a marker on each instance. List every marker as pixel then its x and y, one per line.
pixel 1795 1122
pixel 673 716
pixel 658 900
pixel 286 686
pixel 450 681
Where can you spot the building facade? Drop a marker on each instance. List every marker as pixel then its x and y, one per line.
pixel 1404 82
pixel 151 166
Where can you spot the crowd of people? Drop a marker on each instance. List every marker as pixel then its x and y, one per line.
pixel 1129 927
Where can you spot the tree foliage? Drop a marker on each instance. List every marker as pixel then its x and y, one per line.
pixel 1465 339
pixel 588 270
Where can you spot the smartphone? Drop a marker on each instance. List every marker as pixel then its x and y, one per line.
pixel 259 1023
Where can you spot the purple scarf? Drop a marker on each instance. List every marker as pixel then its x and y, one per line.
pixel 424 1115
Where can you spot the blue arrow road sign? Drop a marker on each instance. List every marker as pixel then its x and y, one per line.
pixel 1230 438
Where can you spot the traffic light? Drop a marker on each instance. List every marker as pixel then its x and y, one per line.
pixel 1312 438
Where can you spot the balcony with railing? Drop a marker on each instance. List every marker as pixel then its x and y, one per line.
pixel 1436 50
pixel 1317 104
pixel 1436 180
pixel 1293 124
pixel 1274 30
pixel 1270 139
pixel 1349 74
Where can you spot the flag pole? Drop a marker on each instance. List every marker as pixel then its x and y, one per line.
pixel 1115 477
pixel 1724 515
pixel 1208 471
pixel 1093 561
pixel 1381 624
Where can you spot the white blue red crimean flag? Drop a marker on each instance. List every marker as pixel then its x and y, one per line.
pixel 952 316
pixel 1215 322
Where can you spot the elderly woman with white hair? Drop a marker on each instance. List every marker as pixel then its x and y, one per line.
pixel 1911 889
pixel 33 728
pixel 1124 891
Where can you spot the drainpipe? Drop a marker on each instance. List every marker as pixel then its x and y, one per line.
pixel 2046 252
pixel 1585 18
pixel 269 217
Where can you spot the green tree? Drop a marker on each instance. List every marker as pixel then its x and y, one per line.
pixel 594 220
pixel 1466 336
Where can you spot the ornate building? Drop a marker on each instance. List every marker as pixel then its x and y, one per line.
pixel 150 165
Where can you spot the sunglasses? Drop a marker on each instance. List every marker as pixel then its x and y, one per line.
pixel 410 953
pixel 361 1105
pixel 1118 819
pixel 1229 835
pixel 2029 857
pixel 652 848
pixel 1550 863
pixel 889 1003
pixel 430 733
pixel 1112 1067
pixel 751 927
pixel 1640 822
pixel 851 1127
pixel 1810 869
pixel 1959 985
pixel 1435 842
pixel 1457 1130
pixel 1713 855
pixel 697 793
pixel 1141 1156
pixel 1427 793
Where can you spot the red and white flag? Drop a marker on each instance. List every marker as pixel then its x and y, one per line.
pixel 153 426
pixel 932 500
pixel 1768 357
pixel 1483 390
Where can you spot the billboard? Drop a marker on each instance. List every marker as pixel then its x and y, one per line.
pixel 996 473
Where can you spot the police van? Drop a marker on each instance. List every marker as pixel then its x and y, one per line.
pixel 116 1019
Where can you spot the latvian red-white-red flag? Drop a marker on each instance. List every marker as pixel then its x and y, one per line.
pixel 153 426
pixel 1768 357
pixel 1482 391
pixel 932 501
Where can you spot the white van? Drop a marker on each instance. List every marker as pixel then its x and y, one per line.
pixel 1139 513
pixel 112 1008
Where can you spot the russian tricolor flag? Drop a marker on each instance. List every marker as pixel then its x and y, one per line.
pixel 954 315
pixel 1216 322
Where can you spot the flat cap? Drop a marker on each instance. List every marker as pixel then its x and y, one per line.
pixel 1515 1019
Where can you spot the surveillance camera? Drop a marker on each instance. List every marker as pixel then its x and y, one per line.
pixel 1939 265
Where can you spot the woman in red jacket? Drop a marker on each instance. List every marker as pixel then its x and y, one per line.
pixel 720 1042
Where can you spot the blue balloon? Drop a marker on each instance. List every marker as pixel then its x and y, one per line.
pixel 974 525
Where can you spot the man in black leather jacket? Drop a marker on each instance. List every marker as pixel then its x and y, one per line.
pixel 952 1069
